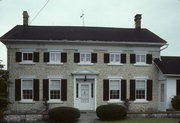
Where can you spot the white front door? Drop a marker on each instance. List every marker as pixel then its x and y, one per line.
pixel 84 95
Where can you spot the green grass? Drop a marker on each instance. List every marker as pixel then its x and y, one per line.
pixel 144 120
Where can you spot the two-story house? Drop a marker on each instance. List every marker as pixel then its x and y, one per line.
pixel 82 67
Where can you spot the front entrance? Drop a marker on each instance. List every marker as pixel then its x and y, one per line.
pixel 84 96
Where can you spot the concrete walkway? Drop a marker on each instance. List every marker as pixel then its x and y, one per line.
pixel 87 117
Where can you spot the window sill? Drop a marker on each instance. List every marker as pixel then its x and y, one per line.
pixel 54 101
pixel 114 101
pixel 27 101
pixel 141 64
pixel 115 64
pixel 56 63
pixel 26 63
pixel 85 63
pixel 141 101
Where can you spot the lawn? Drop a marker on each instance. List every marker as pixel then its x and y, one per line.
pixel 144 120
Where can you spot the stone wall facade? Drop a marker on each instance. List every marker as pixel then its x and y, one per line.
pixel 42 70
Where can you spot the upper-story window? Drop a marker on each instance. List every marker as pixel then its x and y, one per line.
pixel 141 58
pixel 85 57
pixel 115 58
pixel 27 57
pixel 55 57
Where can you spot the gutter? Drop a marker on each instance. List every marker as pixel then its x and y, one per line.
pixel 6 41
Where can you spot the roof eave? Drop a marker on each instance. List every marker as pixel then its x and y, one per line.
pixel 173 75
pixel 6 41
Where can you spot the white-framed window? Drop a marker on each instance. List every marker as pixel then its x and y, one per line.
pixel 27 56
pixel 114 89
pixel 141 58
pixel 115 58
pixel 55 57
pixel 85 57
pixel 55 89
pixel 140 89
pixel 27 89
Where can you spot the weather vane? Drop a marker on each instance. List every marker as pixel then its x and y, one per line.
pixel 82 16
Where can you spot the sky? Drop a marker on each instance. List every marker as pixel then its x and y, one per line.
pixel 162 17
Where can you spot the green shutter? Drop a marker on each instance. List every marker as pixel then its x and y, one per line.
pixel 123 89
pixel 17 89
pixel 149 90
pixel 36 89
pixel 45 89
pixel 132 89
pixel 64 89
pixel 105 89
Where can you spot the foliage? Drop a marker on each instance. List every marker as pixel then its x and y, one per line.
pixel 176 102
pixel 111 112
pixel 4 75
pixel 64 114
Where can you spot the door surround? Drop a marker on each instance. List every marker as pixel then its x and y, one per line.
pixel 88 77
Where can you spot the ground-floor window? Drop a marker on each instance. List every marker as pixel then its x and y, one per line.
pixel 27 89
pixel 55 89
pixel 140 89
pixel 114 89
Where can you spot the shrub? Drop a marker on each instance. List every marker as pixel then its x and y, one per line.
pixel 64 114
pixel 111 112
pixel 176 102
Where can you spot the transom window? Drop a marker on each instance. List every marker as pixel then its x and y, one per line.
pixel 114 89
pixel 27 89
pixel 55 89
pixel 27 56
pixel 55 57
pixel 85 57
pixel 140 58
pixel 114 57
pixel 140 89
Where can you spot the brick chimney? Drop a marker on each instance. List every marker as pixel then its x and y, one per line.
pixel 137 19
pixel 25 18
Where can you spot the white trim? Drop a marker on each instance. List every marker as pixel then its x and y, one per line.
pixel 114 101
pixel 141 64
pixel 141 101
pixel 114 64
pixel 55 63
pixel 80 76
pixel 141 52
pixel 85 63
pixel 141 77
pixel 27 77
pixel 54 101
pixel 54 77
pixel 27 62
pixel 78 41
pixel 27 50
pixel 114 51
pixel 52 50
pixel 27 100
pixel 85 51
pixel 115 77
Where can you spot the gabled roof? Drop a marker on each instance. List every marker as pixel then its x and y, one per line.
pixel 168 64
pixel 73 33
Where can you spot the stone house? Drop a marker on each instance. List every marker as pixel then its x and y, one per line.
pixel 82 67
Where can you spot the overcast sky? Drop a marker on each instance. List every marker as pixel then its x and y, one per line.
pixel 159 16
